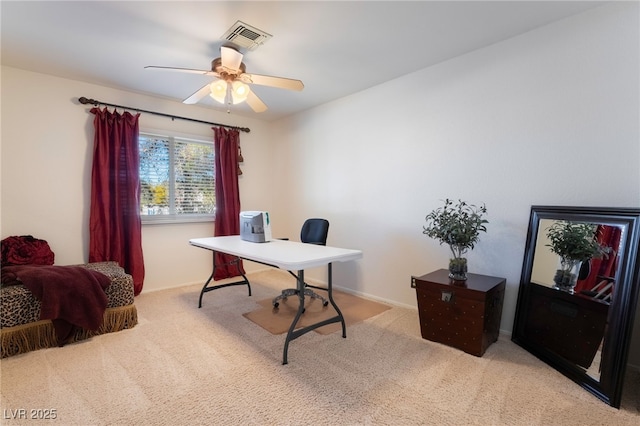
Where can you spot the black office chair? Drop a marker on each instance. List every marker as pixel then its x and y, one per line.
pixel 314 231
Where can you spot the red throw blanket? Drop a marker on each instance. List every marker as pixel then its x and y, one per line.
pixel 70 295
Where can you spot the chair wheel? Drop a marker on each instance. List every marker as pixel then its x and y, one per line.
pixel 325 303
pixel 275 305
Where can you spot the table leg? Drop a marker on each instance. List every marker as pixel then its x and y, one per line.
pixel 205 288
pixel 293 333
pixel 335 306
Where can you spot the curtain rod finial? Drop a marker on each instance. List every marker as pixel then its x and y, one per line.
pixel 85 101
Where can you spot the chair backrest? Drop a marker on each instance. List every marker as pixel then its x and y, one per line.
pixel 315 231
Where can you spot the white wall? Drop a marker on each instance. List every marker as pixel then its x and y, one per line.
pixel 547 118
pixel 47 143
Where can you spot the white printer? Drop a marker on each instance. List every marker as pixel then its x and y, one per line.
pixel 255 226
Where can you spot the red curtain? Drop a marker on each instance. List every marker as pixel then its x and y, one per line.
pixel 608 236
pixel 115 230
pixel 227 198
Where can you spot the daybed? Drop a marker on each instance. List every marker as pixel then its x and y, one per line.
pixel 23 330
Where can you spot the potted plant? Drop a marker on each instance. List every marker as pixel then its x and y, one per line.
pixel 574 243
pixel 457 224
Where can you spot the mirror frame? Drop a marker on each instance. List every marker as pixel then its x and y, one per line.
pixel 621 310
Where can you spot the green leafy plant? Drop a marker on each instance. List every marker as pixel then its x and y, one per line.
pixel 457 224
pixel 576 241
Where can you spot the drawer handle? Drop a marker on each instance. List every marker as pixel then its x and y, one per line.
pixel 446 296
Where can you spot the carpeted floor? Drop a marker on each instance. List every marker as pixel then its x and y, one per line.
pixel 187 366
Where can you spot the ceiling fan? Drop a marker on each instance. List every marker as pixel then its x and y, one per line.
pixel 231 85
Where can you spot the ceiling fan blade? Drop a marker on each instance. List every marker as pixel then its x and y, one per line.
pixel 255 102
pixel 231 58
pixel 266 80
pixel 197 96
pixel 189 70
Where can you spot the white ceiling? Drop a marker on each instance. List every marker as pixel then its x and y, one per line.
pixel 336 48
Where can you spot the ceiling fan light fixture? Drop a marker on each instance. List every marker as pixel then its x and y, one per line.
pixel 218 90
pixel 239 92
pixel 230 86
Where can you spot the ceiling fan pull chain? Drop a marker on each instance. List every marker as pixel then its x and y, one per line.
pixel 228 98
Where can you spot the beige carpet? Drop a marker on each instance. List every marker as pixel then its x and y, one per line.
pixel 277 321
pixel 187 366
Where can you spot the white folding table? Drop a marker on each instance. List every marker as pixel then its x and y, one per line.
pixel 287 255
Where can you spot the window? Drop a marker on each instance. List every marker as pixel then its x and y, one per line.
pixel 177 179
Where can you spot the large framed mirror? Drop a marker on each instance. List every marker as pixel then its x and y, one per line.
pixel 578 316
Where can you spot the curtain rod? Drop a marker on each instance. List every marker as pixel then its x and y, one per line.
pixel 86 101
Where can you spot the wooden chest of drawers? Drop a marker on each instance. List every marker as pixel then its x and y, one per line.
pixel 464 317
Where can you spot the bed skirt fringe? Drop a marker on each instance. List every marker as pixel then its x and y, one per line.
pixel 41 334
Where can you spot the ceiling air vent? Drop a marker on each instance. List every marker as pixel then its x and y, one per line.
pixel 246 36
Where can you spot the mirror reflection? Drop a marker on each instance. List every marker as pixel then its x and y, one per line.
pixel 579 259
pixel 595 274
pixel 578 293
